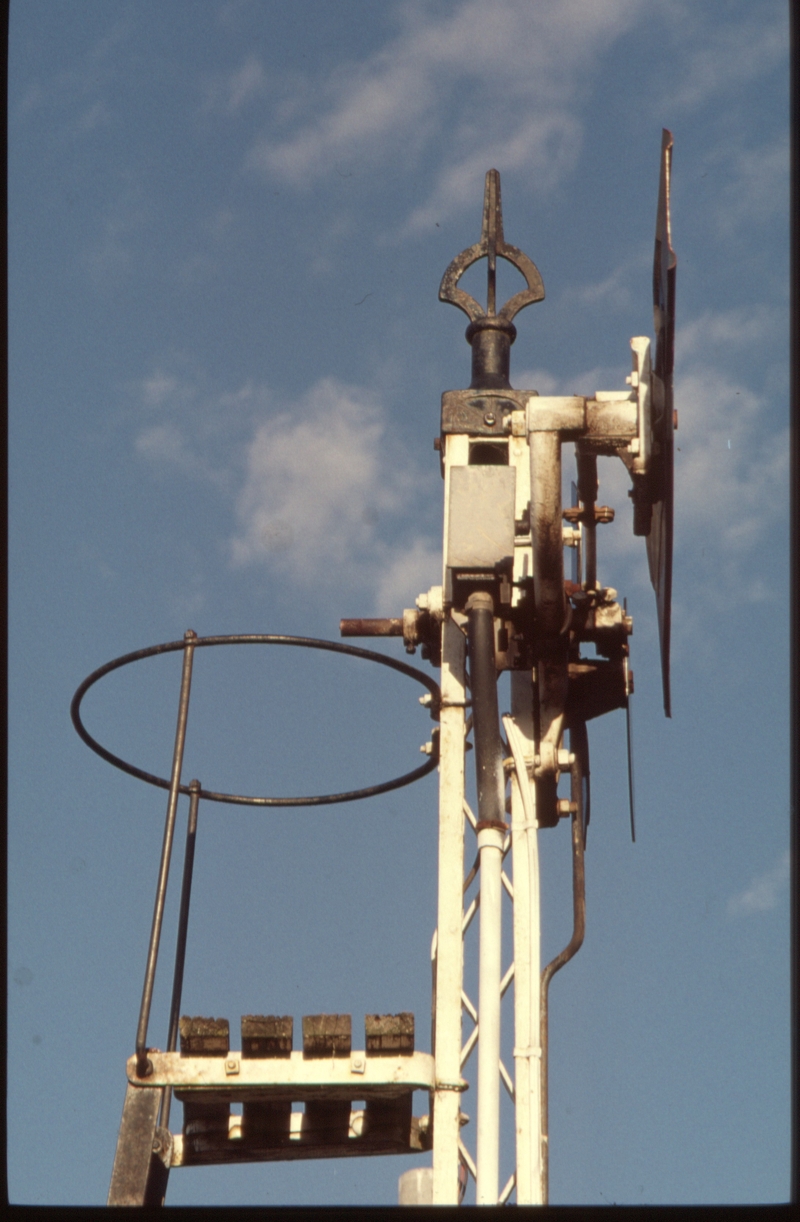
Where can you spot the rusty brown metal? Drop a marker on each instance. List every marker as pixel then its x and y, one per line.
pixel 371 627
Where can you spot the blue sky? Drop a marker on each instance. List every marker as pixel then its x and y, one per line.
pixel 228 223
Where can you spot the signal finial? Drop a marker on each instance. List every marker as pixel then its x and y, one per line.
pixel 490 333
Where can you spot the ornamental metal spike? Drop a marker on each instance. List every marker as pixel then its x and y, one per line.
pixel 491 244
pixel 491 333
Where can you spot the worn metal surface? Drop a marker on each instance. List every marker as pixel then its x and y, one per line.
pixel 371 627
pixel 659 540
pixel 485 413
pixel 481 520
pixel 235 1078
pixel 139 1175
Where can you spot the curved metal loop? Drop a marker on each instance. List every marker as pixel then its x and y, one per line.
pixel 491 245
pixel 326 799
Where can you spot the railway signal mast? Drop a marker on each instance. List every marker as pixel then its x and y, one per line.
pixel 503 605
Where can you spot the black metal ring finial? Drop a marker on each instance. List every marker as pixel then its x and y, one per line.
pixel 491 245
pixel 491 333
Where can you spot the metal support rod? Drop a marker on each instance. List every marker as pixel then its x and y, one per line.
pixel 490 844
pixel 572 948
pixel 142 1064
pixel 371 627
pixel 180 947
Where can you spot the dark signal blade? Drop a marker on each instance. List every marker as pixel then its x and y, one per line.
pixel 659 540
pixel 629 736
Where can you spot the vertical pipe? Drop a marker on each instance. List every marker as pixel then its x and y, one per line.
pixel 449 942
pixel 483 681
pixel 180 948
pixel 490 845
pixel 527 976
pixel 143 1066
pixel 491 829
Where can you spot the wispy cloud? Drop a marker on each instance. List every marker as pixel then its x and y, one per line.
pixel 321 488
pixel 514 70
pixel 324 483
pixel 228 93
pixel 765 891
pixel 722 55
pixel 756 187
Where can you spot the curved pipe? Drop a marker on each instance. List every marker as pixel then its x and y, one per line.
pixel 572 948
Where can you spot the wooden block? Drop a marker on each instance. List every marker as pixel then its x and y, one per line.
pixel 205 1120
pixel 389 1034
pixel 326 1122
pixel 388 1119
pixel 266 1124
pixel 326 1035
pixel 204 1037
pixel 267 1035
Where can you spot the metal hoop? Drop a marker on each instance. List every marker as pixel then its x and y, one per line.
pixel 326 799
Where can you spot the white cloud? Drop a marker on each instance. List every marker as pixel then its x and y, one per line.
pixel 764 892
pixel 731 475
pixel 717 331
pixel 407 573
pixel 231 92
pixel 322 482
pixel 515 70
